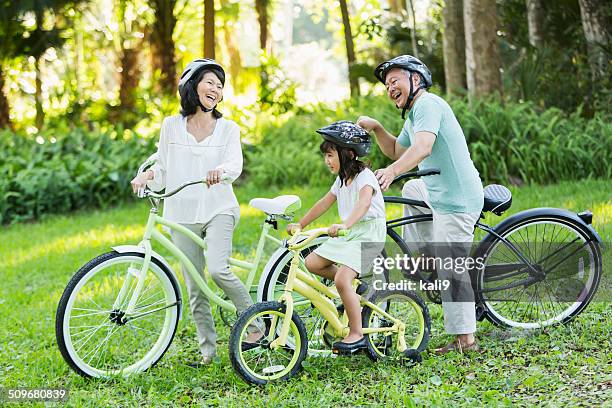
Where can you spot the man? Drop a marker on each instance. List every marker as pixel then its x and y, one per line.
pixel 432 138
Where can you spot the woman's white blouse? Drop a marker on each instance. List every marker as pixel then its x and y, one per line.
pixel 182 159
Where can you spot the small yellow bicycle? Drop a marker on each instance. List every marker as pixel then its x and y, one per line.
pixel 396 323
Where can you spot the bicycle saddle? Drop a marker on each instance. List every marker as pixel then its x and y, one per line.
pixel 497 199
pixel 281 205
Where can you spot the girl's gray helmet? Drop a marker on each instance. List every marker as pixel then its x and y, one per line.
pixel 410 63
pixel 196 66
pixel 347 134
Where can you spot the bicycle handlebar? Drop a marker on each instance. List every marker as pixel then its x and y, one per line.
pixel 419 173
pixel 311 235
pixel 146 192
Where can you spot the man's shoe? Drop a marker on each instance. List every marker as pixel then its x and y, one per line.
pixel 456 345
pixel 343 348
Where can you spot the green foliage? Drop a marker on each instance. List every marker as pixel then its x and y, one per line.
pixel 507 142
pixel 64 170
pixel 277 92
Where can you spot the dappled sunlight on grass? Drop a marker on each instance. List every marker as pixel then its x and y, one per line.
pixel 110 234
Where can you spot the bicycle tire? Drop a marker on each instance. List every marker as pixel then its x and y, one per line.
pixel 558 230
pixel 274 367
pixel 67 344
pixel 381 346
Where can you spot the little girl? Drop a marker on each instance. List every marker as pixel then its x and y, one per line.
pixel 362 210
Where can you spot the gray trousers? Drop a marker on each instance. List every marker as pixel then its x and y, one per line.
pixel 453 235
pixel 218 234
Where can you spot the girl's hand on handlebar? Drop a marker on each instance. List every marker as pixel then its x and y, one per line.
pixel 333 230
pixel 140 181
pixel 213 177
pixel 291 227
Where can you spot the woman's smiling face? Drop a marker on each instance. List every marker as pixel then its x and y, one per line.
pixel 210 90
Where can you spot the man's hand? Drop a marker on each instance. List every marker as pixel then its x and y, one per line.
pixel 333 230
pixel 213 177
pixel 368 123
pixel 385 177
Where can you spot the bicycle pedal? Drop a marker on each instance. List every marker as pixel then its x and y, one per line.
pixel 340 352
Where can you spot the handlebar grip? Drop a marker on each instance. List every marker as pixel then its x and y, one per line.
pixel 343 232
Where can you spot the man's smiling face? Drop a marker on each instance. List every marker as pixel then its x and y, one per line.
pixel 398 87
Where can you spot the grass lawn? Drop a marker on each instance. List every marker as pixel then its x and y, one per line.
pixel 561 366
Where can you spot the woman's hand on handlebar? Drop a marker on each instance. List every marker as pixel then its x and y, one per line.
pixel 213 177
pixel 334 228
pixel 140 181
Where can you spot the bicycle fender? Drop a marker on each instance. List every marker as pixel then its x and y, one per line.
pixel 544 211
pixel 123 249
pixel 268 269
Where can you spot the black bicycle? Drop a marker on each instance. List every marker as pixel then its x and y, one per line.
pixel 539 267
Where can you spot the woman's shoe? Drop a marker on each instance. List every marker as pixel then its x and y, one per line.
pixel 343 348
pixel 456 345
pixel 247 345
pixel 204 361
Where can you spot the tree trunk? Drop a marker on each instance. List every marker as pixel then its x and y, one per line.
pixel 235 61
pixel 535 18
pixel 413 35
pixel 481 49
pixel 453 40
pixel 350 47
pixel 40 113
pixel 261 6
pixel 5 119
pixel 596 27
pixel 397 6
pixel 209 29
pixel 130 76
pixel 162 44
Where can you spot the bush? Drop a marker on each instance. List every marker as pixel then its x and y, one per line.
pixel 507 142
pixel 64 169
pixel 58 172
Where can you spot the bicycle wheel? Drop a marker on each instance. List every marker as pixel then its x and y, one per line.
pixel 566 257
pixel 261 364
pixel 414 314
pixel 97 340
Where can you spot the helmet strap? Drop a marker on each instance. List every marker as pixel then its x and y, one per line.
pixel 206 110
pixel 411 96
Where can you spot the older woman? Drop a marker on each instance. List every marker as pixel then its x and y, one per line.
pixel 200 144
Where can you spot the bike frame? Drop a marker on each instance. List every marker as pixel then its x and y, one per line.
pixel 322 298
pixel 152 233
pixel 501 272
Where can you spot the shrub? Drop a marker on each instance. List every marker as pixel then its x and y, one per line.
pixel 506 142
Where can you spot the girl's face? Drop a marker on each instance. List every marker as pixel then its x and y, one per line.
pixel 210 90
pixel 332 160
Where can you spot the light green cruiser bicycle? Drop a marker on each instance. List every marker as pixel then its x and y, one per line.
pixel 396 323
pixel 120 311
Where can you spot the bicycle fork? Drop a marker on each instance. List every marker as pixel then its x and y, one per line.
pixel 135 273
